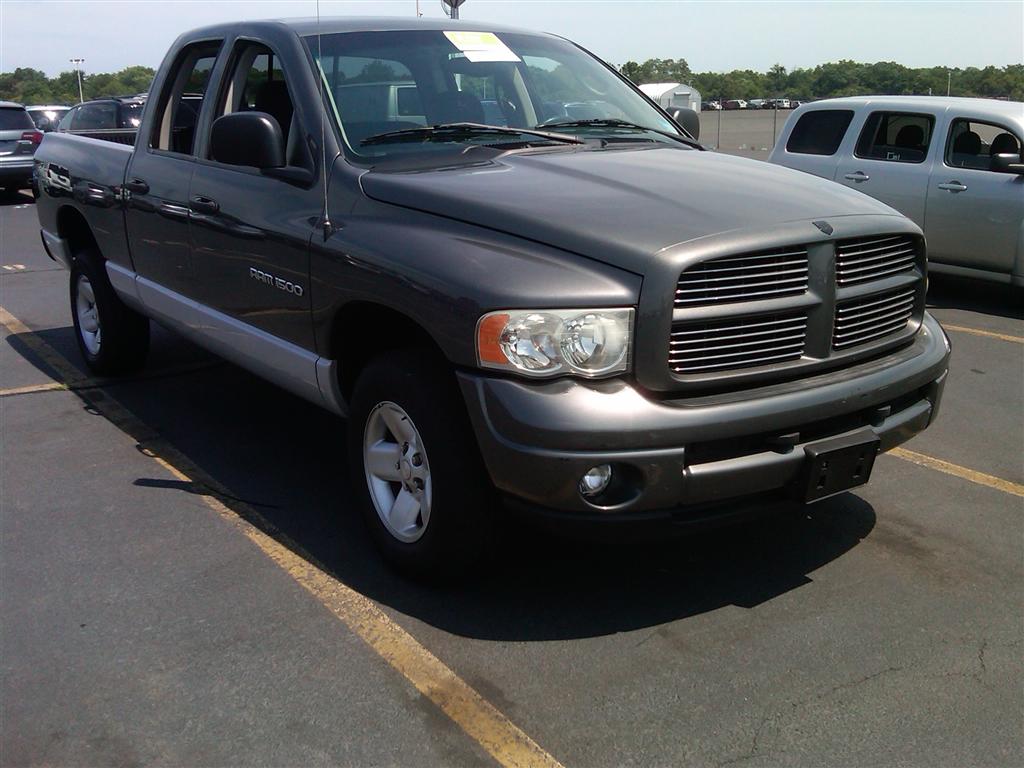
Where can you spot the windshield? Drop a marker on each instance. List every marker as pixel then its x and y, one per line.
pixel 382 82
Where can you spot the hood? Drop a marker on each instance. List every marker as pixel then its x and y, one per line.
pixel 620 205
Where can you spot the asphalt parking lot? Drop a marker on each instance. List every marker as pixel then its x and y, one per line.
pixel 183 582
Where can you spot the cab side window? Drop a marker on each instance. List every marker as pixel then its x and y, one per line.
pixel 898 137
pixel 174 129
pixel 65 122
pixel 819 132
pixel 973 144
pixel 256 83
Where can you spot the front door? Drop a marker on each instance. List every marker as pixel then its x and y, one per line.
pixel 250 231
pixel 891 160
pixel 974 214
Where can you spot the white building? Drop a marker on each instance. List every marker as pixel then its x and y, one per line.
pixel 673 95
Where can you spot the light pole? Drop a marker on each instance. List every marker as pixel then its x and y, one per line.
pixel 78 70
pixel 949 80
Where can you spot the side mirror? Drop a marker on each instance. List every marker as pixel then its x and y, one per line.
pixel 687 118
pixel 1006 163
pixel 247 138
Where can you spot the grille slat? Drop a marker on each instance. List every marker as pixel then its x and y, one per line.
pixel 711 346
pixel 782 272
pixel 868 318
pixel 871 258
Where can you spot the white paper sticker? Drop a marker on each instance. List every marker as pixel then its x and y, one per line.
pixel 481 46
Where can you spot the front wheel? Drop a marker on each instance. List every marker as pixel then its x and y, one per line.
pixel 424 491
pixel 112 337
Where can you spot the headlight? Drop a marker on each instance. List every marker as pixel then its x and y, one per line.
pixel 549 342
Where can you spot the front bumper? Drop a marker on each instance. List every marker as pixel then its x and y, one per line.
pixel 674 455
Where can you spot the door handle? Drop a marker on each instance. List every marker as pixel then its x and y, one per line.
pixel 953 186
pixel 201 204
pixel 138 186
pixel 857 176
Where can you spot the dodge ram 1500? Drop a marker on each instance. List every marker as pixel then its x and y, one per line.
pixel 591 318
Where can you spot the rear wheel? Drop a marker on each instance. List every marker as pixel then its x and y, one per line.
pixel 416 468
pixel 112 337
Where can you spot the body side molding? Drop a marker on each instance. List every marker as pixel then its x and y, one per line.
pixel 287 365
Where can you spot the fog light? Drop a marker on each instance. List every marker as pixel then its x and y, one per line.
pixel 596 480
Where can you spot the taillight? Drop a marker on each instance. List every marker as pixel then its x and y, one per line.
pixel 35 137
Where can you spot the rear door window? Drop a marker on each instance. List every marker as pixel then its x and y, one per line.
pixel 972 144
pixel 897 137
pixel 174 129
pixel 15 120
pixel 819 132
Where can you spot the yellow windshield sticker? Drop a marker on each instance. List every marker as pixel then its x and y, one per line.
pixel 481 46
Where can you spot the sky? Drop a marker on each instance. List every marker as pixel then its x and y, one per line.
pixel 711 36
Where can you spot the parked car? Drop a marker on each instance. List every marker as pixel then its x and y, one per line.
pixel 953 165
pixel 535 316
pixel 710 105
pixel 46 117
pixel 19 138
pixel 734 104
pixel 778 104
pixel 113 119
pixel 757 104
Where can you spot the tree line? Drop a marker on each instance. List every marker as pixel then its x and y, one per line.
pixel 30 86
pixel 840 78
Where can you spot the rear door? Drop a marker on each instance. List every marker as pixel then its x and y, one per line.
pixel 250 230
pixel 160 172
pixel 974 214
pixel 892 158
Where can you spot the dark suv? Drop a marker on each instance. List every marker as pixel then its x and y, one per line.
pixel 111 119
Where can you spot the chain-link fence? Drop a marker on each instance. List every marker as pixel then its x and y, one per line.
pixel 743 131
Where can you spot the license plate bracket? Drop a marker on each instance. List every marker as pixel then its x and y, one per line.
pixel 837 465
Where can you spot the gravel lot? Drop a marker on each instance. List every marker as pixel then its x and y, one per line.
pixel 220 604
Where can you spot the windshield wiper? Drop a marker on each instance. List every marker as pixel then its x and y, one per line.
pixel 456 131
pixel 614 122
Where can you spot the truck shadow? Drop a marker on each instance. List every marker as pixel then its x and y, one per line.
pixel 282 464
pixel 987 298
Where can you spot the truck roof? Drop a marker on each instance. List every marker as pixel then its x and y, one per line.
pixel 332 24
pixel 1008 109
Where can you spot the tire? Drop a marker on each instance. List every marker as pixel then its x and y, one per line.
pixel 450 529
pixel 112 337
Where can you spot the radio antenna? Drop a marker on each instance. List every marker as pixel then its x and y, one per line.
pixel 328 227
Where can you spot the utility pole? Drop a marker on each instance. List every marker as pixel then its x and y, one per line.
pixel 78 70
pixel 949 80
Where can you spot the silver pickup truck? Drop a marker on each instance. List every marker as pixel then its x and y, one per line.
pixel 589 318
pixel 952 165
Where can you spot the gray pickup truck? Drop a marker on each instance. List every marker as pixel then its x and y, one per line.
pixel 590 318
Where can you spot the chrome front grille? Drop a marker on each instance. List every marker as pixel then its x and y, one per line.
pixel 780 311
pixel 873 317
pixel 745 277
pixel 732 343
pixel 870 258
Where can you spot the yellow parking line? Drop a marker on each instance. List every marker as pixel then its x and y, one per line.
pixel 67 373
pixel 979 332
pixel 1006 486
pixel 30 389
pixel 478 718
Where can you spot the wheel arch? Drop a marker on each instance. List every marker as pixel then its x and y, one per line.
pixel 73 227
pixel 363 329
